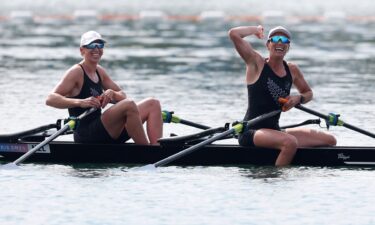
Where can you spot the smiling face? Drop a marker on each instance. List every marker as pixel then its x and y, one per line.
pixel 278 45
pixel 93 51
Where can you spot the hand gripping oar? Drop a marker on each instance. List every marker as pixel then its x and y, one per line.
pixel 234 130
pixel 68 126
pixel 168 117
pixel 331 119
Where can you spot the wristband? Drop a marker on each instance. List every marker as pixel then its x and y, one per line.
pixel 302 99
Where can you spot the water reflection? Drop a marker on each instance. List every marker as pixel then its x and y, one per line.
pixel 265 173
pixel 89 170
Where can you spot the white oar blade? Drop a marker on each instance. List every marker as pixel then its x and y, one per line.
pixel 146 168
pixel 10 166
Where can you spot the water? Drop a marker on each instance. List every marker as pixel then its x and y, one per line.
pixel 54 194
pixel 192 68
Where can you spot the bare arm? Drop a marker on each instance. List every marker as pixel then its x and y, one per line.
pixel 253 59
pixel 302 86
pixel 70 86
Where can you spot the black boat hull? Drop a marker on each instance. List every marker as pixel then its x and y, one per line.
pixel 216 154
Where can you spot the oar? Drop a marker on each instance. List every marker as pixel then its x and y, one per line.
pixel 332 119
pixel 234 130
pixel 307 122
pixel 68 126
pixel 168 117
pixel 15 136
pixel 184 139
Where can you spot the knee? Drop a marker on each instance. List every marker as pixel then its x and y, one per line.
pixel 331 140
pixel 129 106
pixel 289 144
pixel 154 104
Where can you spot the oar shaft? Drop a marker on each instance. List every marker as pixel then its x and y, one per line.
pixel 15 136
pixel 40 145
pixel 67 126
pixel 193 148
pixel 344 124
pixel 365 132
pixel 192 124
pixel 187 138
pixel 316 121
pixel 168 117
pixel 235 129
pixel 313 112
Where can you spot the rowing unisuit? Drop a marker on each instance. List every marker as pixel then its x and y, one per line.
pixel 263 97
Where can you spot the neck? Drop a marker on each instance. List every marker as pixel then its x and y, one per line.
pixel 276 62
pixel 90 67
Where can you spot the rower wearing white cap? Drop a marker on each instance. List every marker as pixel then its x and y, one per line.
pixel 87 85
pixel 268 80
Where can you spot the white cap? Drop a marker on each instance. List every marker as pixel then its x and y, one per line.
pixel 89 37
pixel 279 29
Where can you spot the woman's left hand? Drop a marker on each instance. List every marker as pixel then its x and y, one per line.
pixel 107 97
pixel 292 101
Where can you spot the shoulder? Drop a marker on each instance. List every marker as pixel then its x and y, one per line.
pixel 292 66
pixel 102 72
pixel 74 73
pixel 294 69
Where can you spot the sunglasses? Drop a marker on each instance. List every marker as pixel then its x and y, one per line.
pixel 94 45
pixel 276 39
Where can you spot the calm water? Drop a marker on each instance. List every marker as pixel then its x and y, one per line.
pixel 193 69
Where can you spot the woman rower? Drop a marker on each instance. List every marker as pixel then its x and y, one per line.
pixel 87 85
pixel 269 79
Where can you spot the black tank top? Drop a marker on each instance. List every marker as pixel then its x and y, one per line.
pixel 89 88
pixel 263 96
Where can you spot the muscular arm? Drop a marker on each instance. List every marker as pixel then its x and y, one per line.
pixel 300 83
pixel 302 86
pixel 253 60
pixel 70 86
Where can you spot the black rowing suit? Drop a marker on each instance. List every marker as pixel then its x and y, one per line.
pixel 263 98
pixel 90 128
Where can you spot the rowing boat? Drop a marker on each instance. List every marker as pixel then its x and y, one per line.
pixel 194 149
pixel 66 152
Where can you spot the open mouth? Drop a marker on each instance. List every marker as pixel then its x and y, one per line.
pixel 95 54
pixel 279 49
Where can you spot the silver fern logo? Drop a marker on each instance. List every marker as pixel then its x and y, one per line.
pixel 276 91
pixel 94 92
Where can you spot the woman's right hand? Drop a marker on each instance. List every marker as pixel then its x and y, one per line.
pixel 260 32
pixel 91 102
